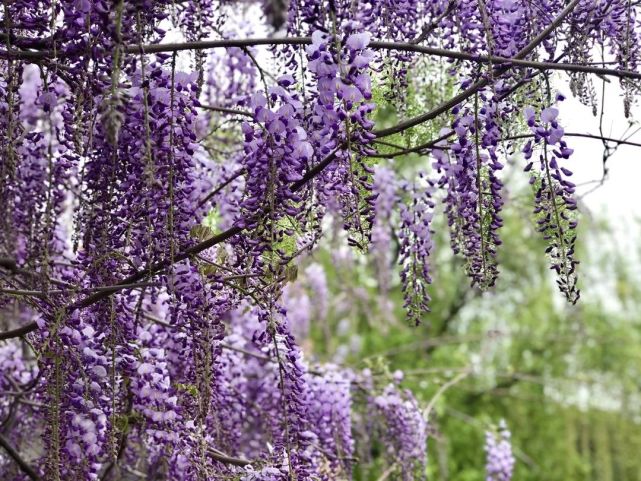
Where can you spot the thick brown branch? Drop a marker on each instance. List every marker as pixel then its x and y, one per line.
pixel 19 332
pixel 8 263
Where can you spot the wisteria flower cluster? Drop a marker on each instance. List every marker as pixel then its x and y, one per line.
pixel 416 245
pixel 498 450
pixel 474 198
pixel 385 187
pixel 554 196
pixel 340 121
pixel 165 179
pixel 405 431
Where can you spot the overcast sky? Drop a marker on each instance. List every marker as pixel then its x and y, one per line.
pixel 619 196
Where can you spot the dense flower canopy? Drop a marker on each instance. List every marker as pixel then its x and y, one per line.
pixel 164 171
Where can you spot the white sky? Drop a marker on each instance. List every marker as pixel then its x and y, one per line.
pixel 619 197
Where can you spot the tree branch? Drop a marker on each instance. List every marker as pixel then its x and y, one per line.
pixel 20 292
pixel 8 263
pixel 505 62
pixel 585 136
pixel 433 25
pixel 225 110
pixel 420 149
pixel 223 458
pixel 452 382
pixel 217 190
pixel 19 332
pixel 24 466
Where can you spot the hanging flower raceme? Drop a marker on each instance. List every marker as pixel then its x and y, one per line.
pixel 42 168
pixel 18 373
pixel 473 200
pixel 141 210
pixel 385 19
pixel 614 20
pixel 293 440
pixel 340 124
pixel 77 432
pixel 231 75
pixel 232 79
pixel 276 153
pixel 148 251
pixel 240 382
pixel 199 17
pixel 390 20
pixel 623 42
pixel 10 127
pixel 404 430
pixel 555 209
pixel 329 405
pixel 498 451
pixel 506 25
pixel 145 206
pixel 415 238
pixel 299 310
pixel 316 280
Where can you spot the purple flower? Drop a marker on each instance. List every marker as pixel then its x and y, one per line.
pixel 500 461
pixel 549 114
pixel 404 430
pixel 555 206
pixel 416 245
pixel 358 41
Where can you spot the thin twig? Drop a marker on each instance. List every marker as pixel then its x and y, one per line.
pixel 433 25
pixel 224 458
pixel 23 292
pixel 217 190
pixel 420 149
pixel 225 110
pixel 452 382
pixel 585 136
pixel 386 474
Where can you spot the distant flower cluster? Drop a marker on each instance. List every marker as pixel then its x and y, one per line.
pixel 500 460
